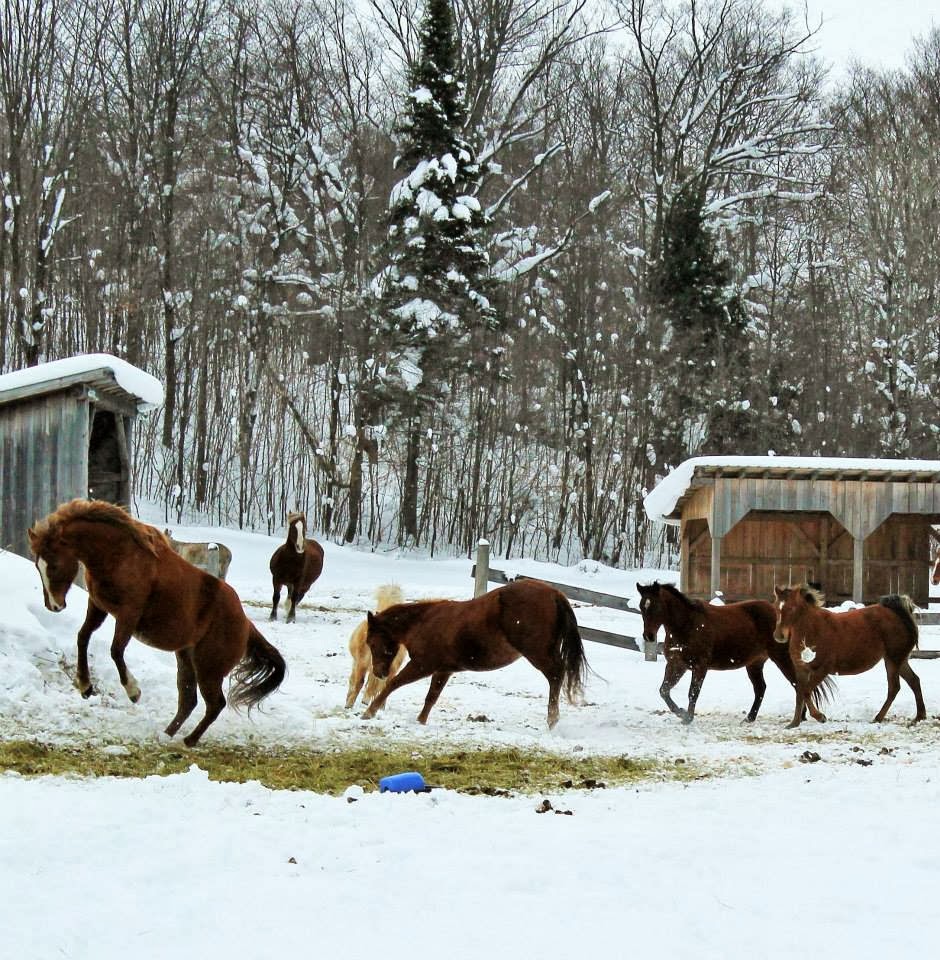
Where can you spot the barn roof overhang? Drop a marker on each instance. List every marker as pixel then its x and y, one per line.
pixel 666 501
pixel 100 377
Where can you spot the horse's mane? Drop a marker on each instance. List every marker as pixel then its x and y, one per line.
pixel 400 616
pixel 100 511
pixel 388 595
pixel 294 517
pixel 812 595
pixel 679 595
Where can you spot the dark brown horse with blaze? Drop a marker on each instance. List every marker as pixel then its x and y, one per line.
pixel 705 636
pixel 822 642
pixel 295 564
pixel 132 572
pixel 526 618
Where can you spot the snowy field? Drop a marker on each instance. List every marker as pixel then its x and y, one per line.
pixel 771 857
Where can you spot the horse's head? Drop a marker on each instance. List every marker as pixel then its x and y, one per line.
pixel 653 609
pixel 382 645
pixel 297 531
pixel 791 603
pixel 56 562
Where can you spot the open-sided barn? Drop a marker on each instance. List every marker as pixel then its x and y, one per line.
pixel 859 528
pixel 67 430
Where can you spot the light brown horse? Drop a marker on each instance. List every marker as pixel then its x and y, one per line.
pixel 295 564
pixel 385 596
pixel 526 618
pixel 153 594
pixel 706 636
pixel 213 557
pixel 822 642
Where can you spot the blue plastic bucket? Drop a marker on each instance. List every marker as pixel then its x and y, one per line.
pixel 402 782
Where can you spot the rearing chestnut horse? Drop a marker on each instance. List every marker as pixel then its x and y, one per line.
pixel 822 642
pixel 706 636
pixel 132 572
pixel 526 618
pixel 295 564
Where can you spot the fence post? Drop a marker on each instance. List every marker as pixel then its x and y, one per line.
pixel 483 568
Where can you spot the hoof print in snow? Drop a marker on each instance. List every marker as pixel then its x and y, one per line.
pixel 809 756
pixel 862 762
pixel 566 813
pixel 886 752
pixel 291 860
pixel 479 718
pixel 544 807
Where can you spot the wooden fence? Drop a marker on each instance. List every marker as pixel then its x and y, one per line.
pixel 484 574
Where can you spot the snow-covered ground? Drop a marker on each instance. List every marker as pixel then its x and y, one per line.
pixel 771 858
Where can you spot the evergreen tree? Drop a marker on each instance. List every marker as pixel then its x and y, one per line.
pixel 707 373
pixel 430 290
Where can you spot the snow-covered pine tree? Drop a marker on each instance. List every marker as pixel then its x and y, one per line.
pixel 707 372
pixel 432 285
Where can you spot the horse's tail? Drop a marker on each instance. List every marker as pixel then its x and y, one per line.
pixel 823 692
pixel 903 607
pixel 574 663
pixel 261 672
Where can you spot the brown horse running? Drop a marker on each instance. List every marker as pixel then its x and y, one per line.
pixel 213 557
pixel 526 618
pixel 385 596
pixel 295 564
pixel 822 642
pixel 153 594
pixel 705 636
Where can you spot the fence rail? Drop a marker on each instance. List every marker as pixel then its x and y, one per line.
pixel 483 573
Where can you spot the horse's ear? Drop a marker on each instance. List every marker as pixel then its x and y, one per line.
pixel 779 592
pixel 370 618
pixel 32 537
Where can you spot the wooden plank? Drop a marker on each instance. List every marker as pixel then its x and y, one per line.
pixel 580 594
pixel 925 655
pixel 612 639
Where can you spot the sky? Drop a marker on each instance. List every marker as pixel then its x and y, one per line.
pixel 877 32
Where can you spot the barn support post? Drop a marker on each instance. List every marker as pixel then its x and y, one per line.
pixel 483 568
pixel 715 585
pixel 858 569
pixel 684 556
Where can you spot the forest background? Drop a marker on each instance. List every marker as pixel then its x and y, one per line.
pixel 674 237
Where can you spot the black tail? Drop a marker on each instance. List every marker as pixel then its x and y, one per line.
pixel 260 672
pixel 822 692
pixel 903 606
pixel 574 663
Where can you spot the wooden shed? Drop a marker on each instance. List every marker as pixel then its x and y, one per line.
pixel 67 430
pixel 858 528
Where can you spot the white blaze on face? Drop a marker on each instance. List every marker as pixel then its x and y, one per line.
pixel 44 574
pixel 299 542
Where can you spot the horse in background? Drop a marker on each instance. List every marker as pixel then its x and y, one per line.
pixel 935 573
pixel 213 557
pixel 153 594
pixel 385 596
pixel 822 642
pixel 526 618
pixel 706 636
pixel 295 564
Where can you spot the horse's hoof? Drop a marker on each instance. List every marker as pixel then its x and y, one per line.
pixel 87 692
pixel 171 730
pixel 190 741
pixel 749 719
pixel 687 718
pixel 793 724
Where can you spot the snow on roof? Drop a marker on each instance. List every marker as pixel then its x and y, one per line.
pixel 147 389
pixel 661 501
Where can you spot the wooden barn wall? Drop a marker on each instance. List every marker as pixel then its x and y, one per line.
pixel 43 462
pixel 764 550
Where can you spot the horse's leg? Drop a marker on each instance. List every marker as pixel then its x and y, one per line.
pixel 755 672
pixel 434 691
pixel 675 671
pixel 695 688
pixel 913 681
pixel 357 677
pixel 799 711
pixel 894 685
pixel 186 688
pixel 209 677
pixel 93 619
pixel 122 637
pixel 295 598
pixel 275 600
pixel 412 671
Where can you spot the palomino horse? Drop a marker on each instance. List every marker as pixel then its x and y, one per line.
pixel 705 636
pixel 156 596
pixel 526 618
pixel 385 596
pixel 822 642
pixel 295 565
pixel 213 557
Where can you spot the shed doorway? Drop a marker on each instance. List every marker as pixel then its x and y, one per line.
pixel 109 472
